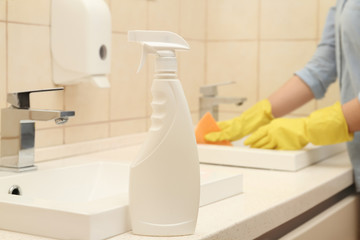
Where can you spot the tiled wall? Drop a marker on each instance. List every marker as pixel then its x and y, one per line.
pixel 263 44
pixel 258 44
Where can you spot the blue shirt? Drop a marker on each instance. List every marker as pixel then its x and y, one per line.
pixel 338 56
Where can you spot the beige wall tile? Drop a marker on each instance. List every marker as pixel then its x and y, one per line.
pixel 288 19
pixel 192 19
pixel 128 15
pixel 234 61
pixel 332 95
pixel 128 89
pixel 324 7
pixel 124 127
pixel 2 9
pixel 90 103
pixel 86 132
pixel 232 19
pixel 192 72
pixel 164 15
pixel 29 11
pixel 49 137
pixel 278 61
pixel 195 117
pixel 29 58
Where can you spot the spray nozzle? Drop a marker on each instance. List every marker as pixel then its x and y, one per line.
pixel 163 44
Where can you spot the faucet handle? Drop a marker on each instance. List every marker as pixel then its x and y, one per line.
pixel 21 100
pixel 211 89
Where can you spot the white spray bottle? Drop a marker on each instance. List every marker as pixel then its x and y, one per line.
pixel 164 188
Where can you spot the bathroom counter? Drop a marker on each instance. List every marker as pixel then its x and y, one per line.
pixel 270 198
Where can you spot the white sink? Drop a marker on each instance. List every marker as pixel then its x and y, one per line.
pixel 87 201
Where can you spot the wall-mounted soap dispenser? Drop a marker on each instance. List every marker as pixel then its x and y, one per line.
pixel 81 41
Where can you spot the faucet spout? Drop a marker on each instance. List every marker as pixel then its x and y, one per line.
pixel 18 131
pixel 223 100
pixel 210 102
pixel 45 115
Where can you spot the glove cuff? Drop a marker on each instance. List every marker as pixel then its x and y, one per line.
pixel 267 109
pixel 328 126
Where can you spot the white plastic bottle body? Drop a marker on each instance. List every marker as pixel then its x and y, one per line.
pixel 164 190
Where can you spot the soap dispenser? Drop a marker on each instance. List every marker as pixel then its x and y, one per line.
pixel 164 187
pixel 81 41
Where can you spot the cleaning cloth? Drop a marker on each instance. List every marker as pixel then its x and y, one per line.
pixel 207 124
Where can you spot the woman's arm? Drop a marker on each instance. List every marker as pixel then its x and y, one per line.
pixel 351 111
pixel 293 94
pixel 313 80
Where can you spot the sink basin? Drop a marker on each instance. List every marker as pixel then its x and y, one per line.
pixel 86 201
pixel 243 156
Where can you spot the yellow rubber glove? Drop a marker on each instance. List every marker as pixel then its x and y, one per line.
pixel 323 127
pixel 250 120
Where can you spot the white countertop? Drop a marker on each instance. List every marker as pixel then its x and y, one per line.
pixel 270 198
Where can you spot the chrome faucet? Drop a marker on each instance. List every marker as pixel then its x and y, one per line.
pixel 18 130
pixel 209 102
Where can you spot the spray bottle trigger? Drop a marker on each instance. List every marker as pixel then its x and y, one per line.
pixel 146 49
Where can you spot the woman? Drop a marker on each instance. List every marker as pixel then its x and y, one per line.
pixel 337 56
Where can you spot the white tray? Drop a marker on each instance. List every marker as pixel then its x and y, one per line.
pixel 241 156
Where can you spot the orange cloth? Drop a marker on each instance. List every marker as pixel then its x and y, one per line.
pixel 207 124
